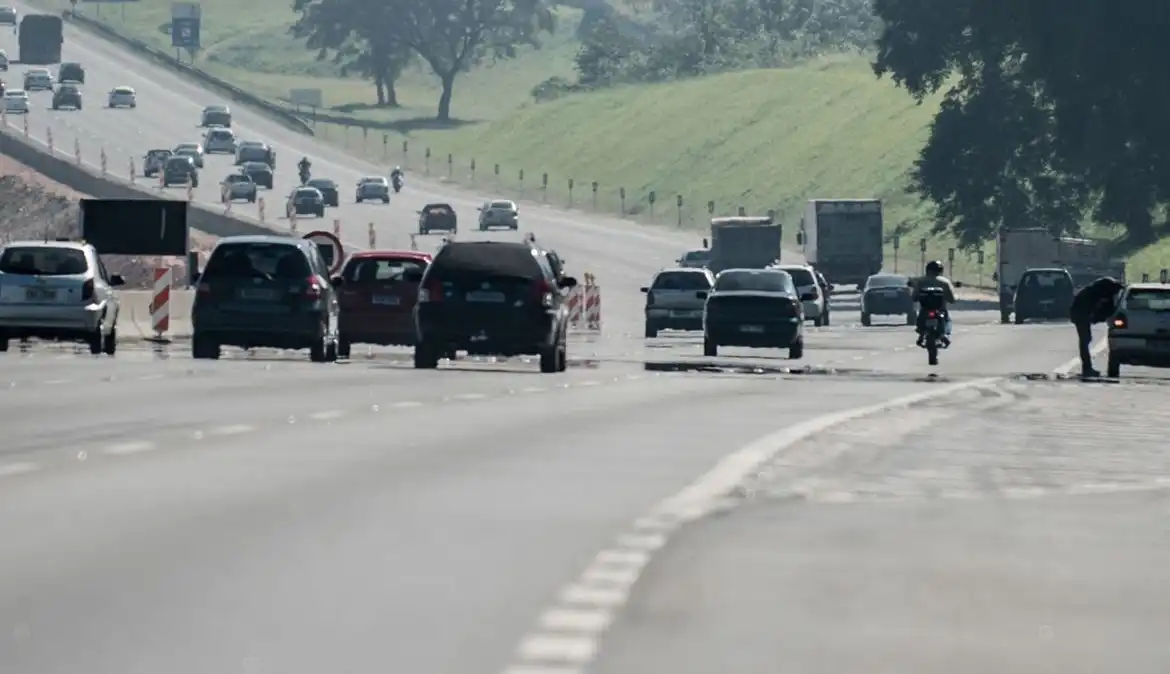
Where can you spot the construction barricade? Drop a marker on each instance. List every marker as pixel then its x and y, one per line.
pixel 585 305
pixel 160 302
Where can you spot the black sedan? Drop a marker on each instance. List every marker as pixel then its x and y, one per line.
pixel 259 172
pixel 327 188
pixel 887 295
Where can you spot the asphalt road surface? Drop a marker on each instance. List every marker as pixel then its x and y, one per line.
pixel 264 514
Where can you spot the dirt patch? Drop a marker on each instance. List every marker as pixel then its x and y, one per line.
pixel 34 207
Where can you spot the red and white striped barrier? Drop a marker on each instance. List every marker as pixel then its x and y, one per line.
pixel 337 227
pixel 585 306
pixel 373 236
pixel 260 205
pixel 77 150
pixel 160 303
pixel 103 162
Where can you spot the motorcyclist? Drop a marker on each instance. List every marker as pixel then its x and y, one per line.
pixel 397 173
pixel 932 278
pixel 303 166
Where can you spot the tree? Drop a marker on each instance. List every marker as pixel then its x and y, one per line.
pixel 1080 92
pixel 354 32
pixel 453 35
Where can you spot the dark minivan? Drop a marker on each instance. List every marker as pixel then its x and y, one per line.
pixel 265 291
pixel 492 298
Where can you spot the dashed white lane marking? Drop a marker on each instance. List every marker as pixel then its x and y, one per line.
pixel 56 382
pixel 234 429
pixel 470 396
pixel 125 448
pixel 13 469
pixel 568 634
pixel 406 404
pixel 327 415
pixel 532 389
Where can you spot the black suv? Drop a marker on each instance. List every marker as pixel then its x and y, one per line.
pixel 178 170
pixel 492 298
pixel 67 96
pixel 71 72
pixel 265 291
pixel 437 216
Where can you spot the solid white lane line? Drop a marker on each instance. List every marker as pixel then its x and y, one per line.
pixel 13 469
pixel 234 429
pixel 124 448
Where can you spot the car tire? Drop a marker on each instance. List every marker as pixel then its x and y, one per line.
pixel 319 349
pixel 651 331
pixel 796 349
pixel 1113 370
pixel 865 319
pixel 3 344
pixel 426 357
pixel 359 200
pixel 818 321
pixel 1005 316
pixel 562 358
pixel 710 348
pixel 203 348
pixel 1020 318
pixel 827 319
pixel 133 105
pixel 550 359
pixel 110 342
pixel 344 346
pixel 911 318
pixel 385 200
pixel 331 352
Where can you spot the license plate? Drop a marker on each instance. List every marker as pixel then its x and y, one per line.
pixel 751 328
pixel 387 300
pixel 485 296
pixel 932 322
pixel 258 294
pixel 681 314
pixel 40 295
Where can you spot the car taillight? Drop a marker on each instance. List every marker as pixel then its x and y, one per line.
pixel 314 289
pixel 932 314
pixel 87 290
pixel 433 292
pixel 543 292
pixel 1119 322
pixel 650 298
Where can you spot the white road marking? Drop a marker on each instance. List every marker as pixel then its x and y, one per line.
pixel 1074 363
pixel 554 648
pixel 406 404
pixel 235 429
pixel 470 396
pixel 129 448
pixel 531 389
pixel 569 620
pixel 327 415
pixel 55 382
pixel 594 596
pixel 542 670
pixel 13 469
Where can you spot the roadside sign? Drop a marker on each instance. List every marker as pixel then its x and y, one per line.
pixel 330 247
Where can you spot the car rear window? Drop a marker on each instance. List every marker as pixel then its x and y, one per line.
pixel 1148 299
pixel 269 261
pixel 764 281
pixel 697 256
pixel 502 205
pixel 361 271
pixel 801 277
pixel 887 282
pixel 220 135
pixel 680 280
pixel 1046 280
pixel 438 210
pixel 477 259
pixel 43 261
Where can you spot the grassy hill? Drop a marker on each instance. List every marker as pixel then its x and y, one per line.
pixel 765 139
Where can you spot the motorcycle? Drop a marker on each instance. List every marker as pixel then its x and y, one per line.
pixel 931 307
pixel 396 181
pixel 305 175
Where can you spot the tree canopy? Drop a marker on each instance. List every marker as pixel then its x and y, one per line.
pixel 1052 112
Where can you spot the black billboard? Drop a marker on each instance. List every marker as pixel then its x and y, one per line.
pixel 135 226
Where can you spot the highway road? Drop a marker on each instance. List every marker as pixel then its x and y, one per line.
pixel 262 514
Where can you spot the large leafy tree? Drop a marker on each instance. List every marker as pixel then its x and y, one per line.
pixel 1051 110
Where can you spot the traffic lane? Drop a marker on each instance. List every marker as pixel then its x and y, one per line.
pixel 430 545
pixel 173 106
pixel 52 423
pixel 1060 585
pixel 1028 532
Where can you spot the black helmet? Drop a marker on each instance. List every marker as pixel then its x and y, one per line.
pixel 934 268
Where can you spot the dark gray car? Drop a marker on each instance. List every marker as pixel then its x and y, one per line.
pixel 265 291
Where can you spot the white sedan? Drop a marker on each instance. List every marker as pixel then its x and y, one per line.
pixel 123 97
pixel 16 100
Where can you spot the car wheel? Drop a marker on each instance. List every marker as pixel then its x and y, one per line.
pixel 826 321
pixel 710 348
pixel 3 344
pixel 385 200
pixel 818 321
pixel 343 348
pixel 318 350
pixel 1020 318
pixel 110 342
pixel 865 319
pixel 549 359
pixel 359 200
pixel 562 358
pixel 796 349
pixel 203 348
pixel 426 357
pixel 651 331
pixel 331 352
pixel 1005 316
pixel 1113 371
pixel 133 105
pixel 911 318
pixel 95 340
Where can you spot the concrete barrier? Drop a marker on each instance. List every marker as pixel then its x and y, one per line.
pixel 282 114
pixel 89 181
pixel 134 315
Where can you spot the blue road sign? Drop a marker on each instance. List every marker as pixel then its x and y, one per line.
pixel 185 32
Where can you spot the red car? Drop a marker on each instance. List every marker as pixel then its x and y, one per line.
pixel 376 303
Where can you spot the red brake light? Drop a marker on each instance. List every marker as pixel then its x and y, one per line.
pixel 1119 322
pixel 87 290
pixel 932 314
pixel 314 289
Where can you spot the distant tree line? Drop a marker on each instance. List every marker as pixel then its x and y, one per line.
pixel 1054 113
pixel 697 37
pixel 380 38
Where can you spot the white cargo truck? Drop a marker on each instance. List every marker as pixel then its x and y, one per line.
pixel 1021 249
pixel 843 238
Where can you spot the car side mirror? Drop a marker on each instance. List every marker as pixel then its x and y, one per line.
pixel 701 294
pixel 117 280
pixel 336 281
pixel 808 297
pixel 958 284
pixel 567 282
pixel 644 289
pixel 412 276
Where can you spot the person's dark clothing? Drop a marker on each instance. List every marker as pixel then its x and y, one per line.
pixel 1095 303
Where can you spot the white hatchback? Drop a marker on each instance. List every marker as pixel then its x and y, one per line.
pixel 16 100
pixel 123 97
pixel 1139 333
pixel 220 140
pixel 805 278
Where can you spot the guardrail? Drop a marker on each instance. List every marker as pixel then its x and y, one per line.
pixel 282 114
